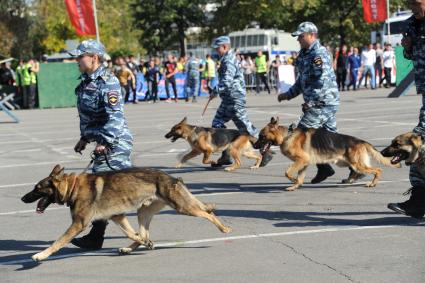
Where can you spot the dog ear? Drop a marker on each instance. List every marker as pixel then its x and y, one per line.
pixel 272 120
pixel 55 170
pixel 59 175
pixel 184 120
pixel 277 120
pixel 417 140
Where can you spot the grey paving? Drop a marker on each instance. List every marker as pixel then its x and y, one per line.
pixel 320 233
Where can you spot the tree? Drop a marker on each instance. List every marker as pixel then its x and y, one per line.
pixel 165 21
pixel 52 26
pixel 338 21
pixel 16 21
pixel 6 41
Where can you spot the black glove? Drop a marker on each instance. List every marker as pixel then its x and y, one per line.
pixel 283 96
pixel 80 146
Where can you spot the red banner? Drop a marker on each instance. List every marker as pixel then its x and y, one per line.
pixel 81 16
pixel 375 10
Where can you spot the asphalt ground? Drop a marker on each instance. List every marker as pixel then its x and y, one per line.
pixel 327 232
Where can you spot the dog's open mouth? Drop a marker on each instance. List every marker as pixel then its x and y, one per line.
pixel 399 156
pixel 42 204
pixel 265 147
pixel 172 137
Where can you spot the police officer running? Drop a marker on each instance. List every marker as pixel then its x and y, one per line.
pixel 100 107
pixel 231 89
pixel 414 49
pixel 316 80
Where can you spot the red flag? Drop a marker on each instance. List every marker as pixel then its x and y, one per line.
pixel 375 10
pixel 81 16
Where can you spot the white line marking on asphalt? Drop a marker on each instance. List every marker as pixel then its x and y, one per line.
pixel 177 150
pixel 212 240
pixel 42 163
pixel 16 185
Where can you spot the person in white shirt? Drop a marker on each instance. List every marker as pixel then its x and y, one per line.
pixel 388 63
pixel 368 65
pixel 247 67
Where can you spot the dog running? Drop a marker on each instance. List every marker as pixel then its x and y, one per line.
pixel 109 195
pixel 210 140
pixel 318 146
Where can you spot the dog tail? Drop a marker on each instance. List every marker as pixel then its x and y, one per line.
pixel 379 157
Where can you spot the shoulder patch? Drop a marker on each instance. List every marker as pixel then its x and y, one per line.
pixel 113 98
pixel 318 61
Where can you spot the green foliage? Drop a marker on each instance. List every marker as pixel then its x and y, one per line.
pixel 165 22
pixel 337 21
pixel 36 27
pixel 42 26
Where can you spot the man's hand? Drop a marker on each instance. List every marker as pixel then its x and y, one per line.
pixel 213 95
pixel 283 96
pixel 100 149
pixel 80 146
pixel 406 42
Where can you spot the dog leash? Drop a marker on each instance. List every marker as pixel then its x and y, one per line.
pixel 94 156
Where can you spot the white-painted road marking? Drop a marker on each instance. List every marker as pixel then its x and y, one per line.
pixel 211 240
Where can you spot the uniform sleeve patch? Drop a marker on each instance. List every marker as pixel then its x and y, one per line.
pixel 113 98
pixel 317 61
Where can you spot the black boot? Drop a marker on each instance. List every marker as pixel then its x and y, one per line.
pixel 414 206
pixel 94 239
pixel 323 172
pixel 267 157
pixel 223 160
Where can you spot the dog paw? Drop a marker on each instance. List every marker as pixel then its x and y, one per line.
pixel 229 169
pixel 254 167
pixel 124 251
pixel 347 181
pixel 370 185
pixel 180 165
pixel 149 245
pixel 292 188
pixel 38 257
pixel 226 229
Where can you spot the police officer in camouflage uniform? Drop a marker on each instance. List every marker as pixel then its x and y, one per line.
pixel 316 80
pixel 100 107
pixel 192 78
pixel 232 91
pixel 414 49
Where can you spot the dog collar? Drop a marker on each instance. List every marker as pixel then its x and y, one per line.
pixel 71 193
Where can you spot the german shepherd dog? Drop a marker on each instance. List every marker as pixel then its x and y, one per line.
pixel 109 195
pixel 209 140
pixel 406 147
pixel 318 146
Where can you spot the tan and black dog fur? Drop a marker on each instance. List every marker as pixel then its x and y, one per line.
pixel 407 147
pixel 209 140
pixel 318 146
pixel 109 195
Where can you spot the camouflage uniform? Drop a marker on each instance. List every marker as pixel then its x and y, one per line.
pixel 192 77
pixel 231 89
pixel 316 80
pixel 416 31
pixel 100 107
